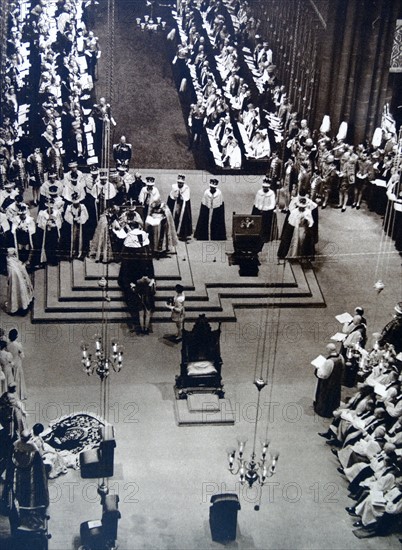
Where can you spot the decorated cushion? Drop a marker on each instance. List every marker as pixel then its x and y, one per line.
pixel 200 368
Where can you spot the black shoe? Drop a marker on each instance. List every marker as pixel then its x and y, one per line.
pixel 357 524
pixel 334 442
pixel 341 471
pixel 351 511
pixel 343 209
pixel 357 206
pixel 323 206
pixel 145 331
pixel 326 435
pixel 334 452
pixel 354 205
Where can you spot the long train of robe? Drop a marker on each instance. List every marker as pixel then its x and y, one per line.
pixel 269 231
pixel 181 212
pixel 211 224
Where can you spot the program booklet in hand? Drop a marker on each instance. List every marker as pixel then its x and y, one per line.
pixel 344 317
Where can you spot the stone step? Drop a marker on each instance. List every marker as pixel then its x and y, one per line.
pixel 69 293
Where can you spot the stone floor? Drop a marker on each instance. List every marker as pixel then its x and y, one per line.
pixel 165 474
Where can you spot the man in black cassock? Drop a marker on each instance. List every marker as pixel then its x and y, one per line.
pixel 328 392
pixel 211 220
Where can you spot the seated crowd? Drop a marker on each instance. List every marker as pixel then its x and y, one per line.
pixel 365 434
pixel 245 111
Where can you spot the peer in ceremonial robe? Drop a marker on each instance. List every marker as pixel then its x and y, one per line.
pixel 103 192
pixel 74 238
pixel 149 194
pixel 73 183
pixel 180 207
pixel 211 220
pixel 23 228
pixel 264 205
pixel 49 222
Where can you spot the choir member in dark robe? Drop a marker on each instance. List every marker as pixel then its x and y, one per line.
pixel 211 220
pixel 180 207
pixel 328 392
pixel 264 205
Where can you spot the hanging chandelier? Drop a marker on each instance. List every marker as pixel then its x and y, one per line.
pixel 254 471
pixel 150 24
pixel 106 357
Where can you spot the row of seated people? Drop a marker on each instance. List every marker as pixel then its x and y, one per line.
pixel 365 434
pixel 75 215
pixel 54 106
pixel 236 129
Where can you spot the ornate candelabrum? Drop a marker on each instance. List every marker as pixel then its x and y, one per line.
pixel 253 471
pixel 105 356
pixel 151 23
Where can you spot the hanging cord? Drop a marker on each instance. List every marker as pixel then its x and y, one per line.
pixel 275 350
